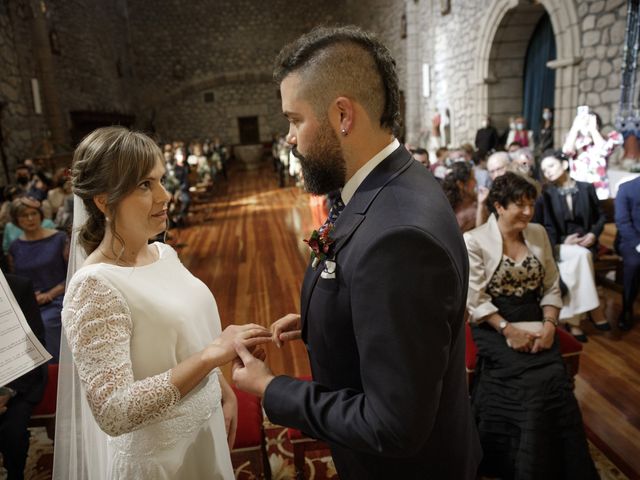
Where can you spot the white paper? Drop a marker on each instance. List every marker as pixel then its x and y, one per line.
pixel 20 350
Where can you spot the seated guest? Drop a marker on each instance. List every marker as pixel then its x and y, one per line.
pixel 12 230
pixel 574 221
pixel 627 215
pixel 41 255
pixel 524 163
pixel 421 155
pixel 498 164
pixel 25 392
pixel 439 167
pixel 460 188
pixel 528 418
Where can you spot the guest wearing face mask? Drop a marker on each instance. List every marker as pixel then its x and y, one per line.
pixel 521 135
pixel 544 139
pixel 486 136
pixel 23 177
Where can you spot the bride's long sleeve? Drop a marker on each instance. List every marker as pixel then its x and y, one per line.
pixel 98 324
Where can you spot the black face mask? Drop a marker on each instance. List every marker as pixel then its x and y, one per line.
pixel 22 181
pixel 38 194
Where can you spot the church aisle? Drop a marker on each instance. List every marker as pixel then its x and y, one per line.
pixel 246 244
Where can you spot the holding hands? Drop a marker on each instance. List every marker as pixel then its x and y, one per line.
pixel 249 372
pixel 223 350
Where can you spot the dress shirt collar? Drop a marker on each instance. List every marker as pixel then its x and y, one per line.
pixel 363 172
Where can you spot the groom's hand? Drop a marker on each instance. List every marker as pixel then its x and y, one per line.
pixel 286 328
pixel 249 372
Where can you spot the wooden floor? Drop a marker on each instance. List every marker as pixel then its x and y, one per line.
pixel 246 245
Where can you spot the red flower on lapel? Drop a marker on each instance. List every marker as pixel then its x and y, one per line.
pixel 321 245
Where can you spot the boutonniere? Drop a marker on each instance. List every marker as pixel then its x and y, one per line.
pixel 321 245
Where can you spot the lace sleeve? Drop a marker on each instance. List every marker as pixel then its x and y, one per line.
pixel 98 325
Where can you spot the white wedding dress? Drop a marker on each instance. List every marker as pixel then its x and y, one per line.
pixel 127 327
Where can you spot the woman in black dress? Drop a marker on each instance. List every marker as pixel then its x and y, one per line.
pixel 528 418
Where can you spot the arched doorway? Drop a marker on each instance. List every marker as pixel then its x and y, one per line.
pixel 507 29
pixel 507 62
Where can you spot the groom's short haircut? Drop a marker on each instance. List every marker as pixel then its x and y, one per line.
pixel 343 61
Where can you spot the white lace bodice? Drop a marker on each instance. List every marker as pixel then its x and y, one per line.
pixel 127 327
pixel 98 326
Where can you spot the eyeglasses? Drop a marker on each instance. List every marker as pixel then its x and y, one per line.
pixel 28 215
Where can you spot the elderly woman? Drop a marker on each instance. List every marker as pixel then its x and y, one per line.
pixel 528 418
pixel 41 255
pixel 574 221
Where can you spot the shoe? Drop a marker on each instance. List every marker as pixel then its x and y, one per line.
pixel 603 327
pixel 581 337
pixel 625 320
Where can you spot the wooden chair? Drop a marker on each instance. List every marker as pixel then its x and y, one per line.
pixel 607 260
pixel 302 444
pixel 250 439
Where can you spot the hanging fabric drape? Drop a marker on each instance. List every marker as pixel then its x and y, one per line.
pixel 539 80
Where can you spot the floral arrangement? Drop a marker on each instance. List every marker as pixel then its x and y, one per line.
pixel 321 245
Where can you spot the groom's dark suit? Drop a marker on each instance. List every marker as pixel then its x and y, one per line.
pixel 385 337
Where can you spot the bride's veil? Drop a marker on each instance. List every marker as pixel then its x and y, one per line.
pixel 80 450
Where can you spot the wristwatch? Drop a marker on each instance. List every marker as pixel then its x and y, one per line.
pixel 503 324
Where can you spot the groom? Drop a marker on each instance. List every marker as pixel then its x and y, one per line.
pixel 382 311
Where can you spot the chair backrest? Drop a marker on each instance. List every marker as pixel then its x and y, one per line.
pixel 249 431
pixel 47 405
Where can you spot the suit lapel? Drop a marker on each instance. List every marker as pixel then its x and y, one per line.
pixel 353 215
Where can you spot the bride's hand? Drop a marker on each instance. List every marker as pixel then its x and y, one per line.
pixel 222 349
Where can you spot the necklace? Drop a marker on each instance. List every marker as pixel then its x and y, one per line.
pixel 117 259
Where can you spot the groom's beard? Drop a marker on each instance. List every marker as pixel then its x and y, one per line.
pixel 323 167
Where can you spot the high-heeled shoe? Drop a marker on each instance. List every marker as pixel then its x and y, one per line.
pixel 581 337
pixel 603 327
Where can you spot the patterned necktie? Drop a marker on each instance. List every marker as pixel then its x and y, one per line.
pixel 334 213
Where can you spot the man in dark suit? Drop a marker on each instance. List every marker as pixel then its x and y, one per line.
pixel 25 392
pixel 383 304
pixel 627 216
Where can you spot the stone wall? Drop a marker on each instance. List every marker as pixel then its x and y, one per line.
pixel 388 21
pixel 462 45
pixel 93 64
pixel 22 128
pixel 156 62
pixel 603 29
pixel 184 49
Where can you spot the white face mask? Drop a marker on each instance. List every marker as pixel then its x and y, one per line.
pixel 520 126
pixel 512 126
pixel 484 124
pixel 547 115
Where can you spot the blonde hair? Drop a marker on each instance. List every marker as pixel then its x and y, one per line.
pixel 110 161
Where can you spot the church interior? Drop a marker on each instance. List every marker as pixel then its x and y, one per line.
pixel 475 78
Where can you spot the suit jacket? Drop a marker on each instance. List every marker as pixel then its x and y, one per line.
pixel 385 337
pixel 484 245
pixel 585 206
pixel 29 386
pixel 627 214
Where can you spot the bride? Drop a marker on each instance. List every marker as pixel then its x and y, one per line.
pixel 140 395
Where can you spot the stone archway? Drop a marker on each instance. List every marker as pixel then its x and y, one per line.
pixel 564 20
